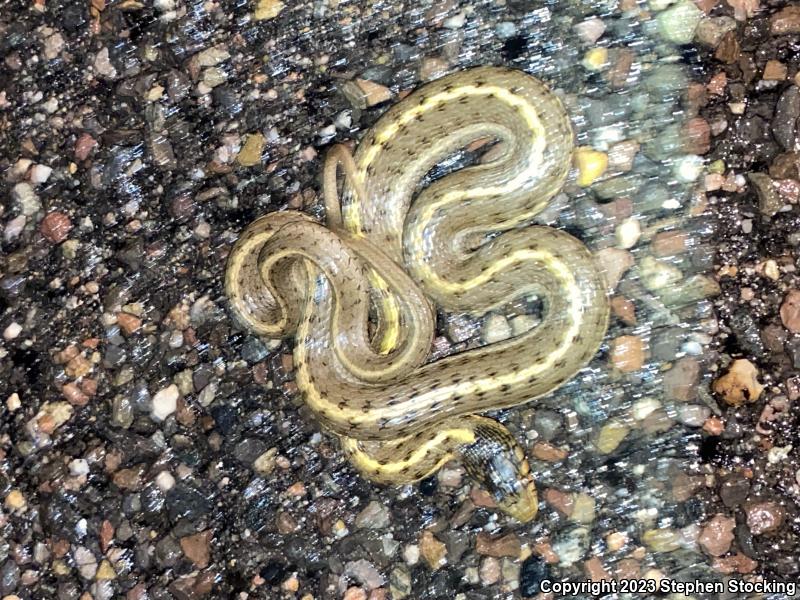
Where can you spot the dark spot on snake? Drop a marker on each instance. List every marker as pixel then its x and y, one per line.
pixel 514 47
pixel 427 486
pixel 560 364
pixel 505 387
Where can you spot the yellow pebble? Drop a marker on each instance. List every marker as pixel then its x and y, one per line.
pixel 15 500
pixel 591 165
pixel 250 154
pixel 268 9
pixel 106 571
pixel 595 59
pixel 610 436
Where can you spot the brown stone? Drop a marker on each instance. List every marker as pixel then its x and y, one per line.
pixel 669 243
pixel 559 500
pixel 790 311
pixel 196 548
pixel 55 227
pixel 84 145
pixel 728 50
pixel 130 479
pixel 106 534
pixel 785 166
pixel 74 394
pixel 697 136
pixel 738 563
pixel 595 571
pixel 548 452
pixel 628 353
pixel 775 70
pixel 128 323
pixel 620 70
pixel 498 546
pixel 624 310
pixel 740 384
pixel 432 550
pixel 717 535
pixel 285 523
pixel 785 21
pixel 717 84
pixel 627 568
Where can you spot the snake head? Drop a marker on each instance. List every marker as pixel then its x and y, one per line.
pixel 512 487
pixel 497 461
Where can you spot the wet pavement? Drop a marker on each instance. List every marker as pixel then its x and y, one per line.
pixel 149 448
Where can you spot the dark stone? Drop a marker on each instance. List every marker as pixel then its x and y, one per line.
pixel 733 491
pixel 225 418
pixel 185 502
pixel 534 570
pixel 273 572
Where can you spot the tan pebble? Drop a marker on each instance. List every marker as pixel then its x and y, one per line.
pixel 78 367
pixel 548 452
pixel 292 584
pixel 775 70
pixel 740 384
pixel 628 353
pixel 482 498
pixel 785 21
pixel 498 546
pixel 197 548
pixel 627 568
pixel 84 145
pixel 616 540
pixel 545 550
pixel 433 68
pixel 268 9
pixel 697 136
pixel 297 489
pixel 250 154
pixel 374 93
pixel 354 593
pixel 610 436
pixel 286 523
pixel 662 540
pixel 74 395
pixel 790 311
pixel 432 550
pixel 105 571
pixel 717 535
pixel 669 243
pixel 583 508
pixel 713 426
pixel 128 323
pixel 716 86
pixel 624 310
pixel 15 500
pixel 622 154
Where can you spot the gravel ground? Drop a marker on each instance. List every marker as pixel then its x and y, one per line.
pixel 150 449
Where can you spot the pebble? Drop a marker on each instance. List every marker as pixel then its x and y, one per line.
pixel 740 383
pixel 489 571
pixel 614 262
pixel 590 30
pixel 498 546
pixel 268 9
pixel 197 548
pixel 610 437
pixel 14 227
pixel 764 517
pixel 86 562
pixel 165 481
pixel 375 515
pixel 26 199
pixel 624 310
pixel 628 233
pixel 165 402
pixel 15 501
pixel 717 535
pixel 365 573
pixel 595 59
pixel 583 508
pixel 678 23
pixel 591 165
pixel 627 353
pixel 622 154
pixel 354 593
pixel 571 545
pixel 534 570
pixel 662 540
pixel 775 70
pixel 693 415
pixel 12 331
pixel 710 31
pixel 250 154
pixel 790 311
pixel 785 21
pixel 496 328
pixel 657 275
pixel 432 550
pixel 363 93
pixel 400 582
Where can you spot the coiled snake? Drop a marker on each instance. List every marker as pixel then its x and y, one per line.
pixel 358 293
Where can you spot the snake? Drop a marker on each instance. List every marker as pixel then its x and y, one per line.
pixel 360 292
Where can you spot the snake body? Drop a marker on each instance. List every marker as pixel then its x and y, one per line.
pixel 359 292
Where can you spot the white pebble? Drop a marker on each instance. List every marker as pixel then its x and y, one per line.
pixel 78 467
pixel 12 331
pixel 165 481
pixel 645 407
pixel 165 402
pixel 40 173
pixel 590 30
pixel 411 554
pixel 778 454
pixel 689 168
pixel 13 402
pixel 14 227
pixel 496 329
pixel 628 232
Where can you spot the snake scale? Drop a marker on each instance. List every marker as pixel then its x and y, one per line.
pixel 360 292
